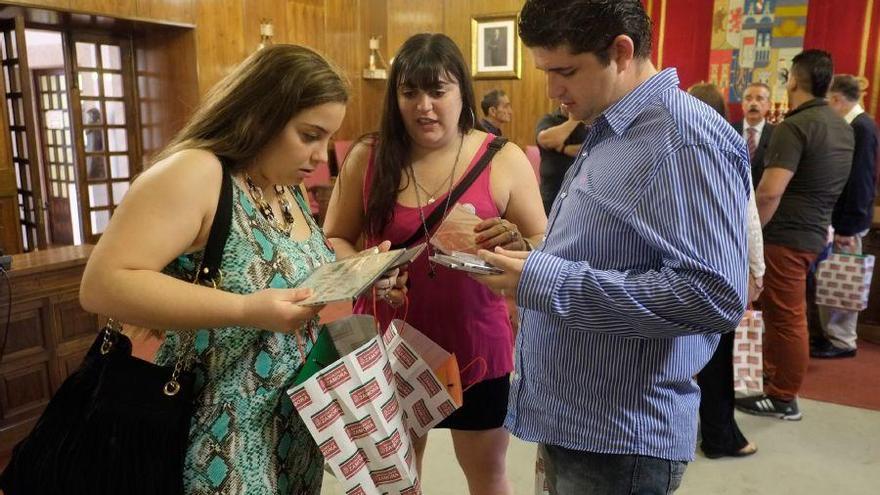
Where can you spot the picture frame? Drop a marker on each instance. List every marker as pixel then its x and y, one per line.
pixel 496 50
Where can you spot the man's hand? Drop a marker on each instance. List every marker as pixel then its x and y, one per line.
pixel 844 243
pixel 512 262
pixel 756 286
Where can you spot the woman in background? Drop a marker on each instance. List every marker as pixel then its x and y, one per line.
pixel 721 435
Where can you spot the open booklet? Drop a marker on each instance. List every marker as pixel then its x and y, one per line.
pixel 348 278
pixel 456 242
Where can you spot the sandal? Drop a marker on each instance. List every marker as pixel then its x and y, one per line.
pixel 749 449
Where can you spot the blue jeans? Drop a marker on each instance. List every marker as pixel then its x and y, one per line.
pixel 571 472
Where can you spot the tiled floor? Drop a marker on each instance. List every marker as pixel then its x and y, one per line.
pixel 833 450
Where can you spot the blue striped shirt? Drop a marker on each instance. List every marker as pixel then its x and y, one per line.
pixel 643 266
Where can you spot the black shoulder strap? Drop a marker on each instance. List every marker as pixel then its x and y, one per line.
pixel 437 215
pixel 219 228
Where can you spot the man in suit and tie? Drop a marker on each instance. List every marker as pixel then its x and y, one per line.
pixel 754 128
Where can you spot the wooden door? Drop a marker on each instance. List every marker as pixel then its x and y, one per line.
pixel 22 127
pixel 107 144
pixel 50 86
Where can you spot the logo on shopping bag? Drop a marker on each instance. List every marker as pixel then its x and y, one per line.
pixel 301 399
pixel 327 416
pixel 390 408
pixel 360 429
pixel 390 445
pixel 358 490
pixel 353 464
pixel 334 377
pixel 406 356
pixel 426 378
pixel 446 408
pixel 386 476
pixel 369 356
pixel 422 414
pixel 404 388
pixel 413 490
pixel 386 370
pixel 366 393
pixel 329 449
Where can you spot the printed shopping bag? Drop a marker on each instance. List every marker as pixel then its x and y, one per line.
pixel 405 343
pixel 844 281
pixel 363 408
pixel 748 365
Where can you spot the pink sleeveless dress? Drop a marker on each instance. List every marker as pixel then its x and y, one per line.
pixel 455 311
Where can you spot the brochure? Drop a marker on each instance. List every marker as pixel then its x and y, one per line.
pixel 348 278
pixel 456 243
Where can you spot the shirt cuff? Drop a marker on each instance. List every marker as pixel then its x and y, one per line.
pixel 540 277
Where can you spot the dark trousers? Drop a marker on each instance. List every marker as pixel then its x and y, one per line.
pixel 717 425
pixel 572 472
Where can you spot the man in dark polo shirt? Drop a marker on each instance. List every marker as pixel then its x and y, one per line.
pixel 806 167
pixel 559 137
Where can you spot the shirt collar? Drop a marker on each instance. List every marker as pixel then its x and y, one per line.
pixel 815 102
pixel 620 115
pixel 855 112
pixel 758 128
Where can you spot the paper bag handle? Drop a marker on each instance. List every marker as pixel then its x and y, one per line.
pixel 482 375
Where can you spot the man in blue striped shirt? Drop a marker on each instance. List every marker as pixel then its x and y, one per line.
pixel 643 265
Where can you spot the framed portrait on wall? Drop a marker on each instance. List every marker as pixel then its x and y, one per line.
pixel 495 47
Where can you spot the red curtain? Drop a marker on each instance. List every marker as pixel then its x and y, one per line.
pixel 836 26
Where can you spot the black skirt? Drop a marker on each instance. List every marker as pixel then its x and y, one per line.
pixel 484 408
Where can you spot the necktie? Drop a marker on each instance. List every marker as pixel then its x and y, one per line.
pixel 752 142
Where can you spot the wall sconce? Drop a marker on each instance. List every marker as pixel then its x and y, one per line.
pixel 376 65
pixel 266 33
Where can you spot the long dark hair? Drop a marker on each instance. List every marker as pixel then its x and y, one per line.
pixel 420 64
pixel 251 105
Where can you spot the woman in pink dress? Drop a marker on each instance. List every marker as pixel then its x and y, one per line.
pixel 390 184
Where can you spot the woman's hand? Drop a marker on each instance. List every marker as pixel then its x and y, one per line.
pixel 496 231
pixel 277 310
pixel 391 286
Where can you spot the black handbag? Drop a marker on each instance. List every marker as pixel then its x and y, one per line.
pixel 118 425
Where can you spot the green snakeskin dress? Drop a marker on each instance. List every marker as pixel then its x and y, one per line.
pixel 246 438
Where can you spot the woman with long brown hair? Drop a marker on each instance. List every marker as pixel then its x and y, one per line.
pixel 268 124
pixel 393 181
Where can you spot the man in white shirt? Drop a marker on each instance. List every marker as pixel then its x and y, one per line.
pixel 754 127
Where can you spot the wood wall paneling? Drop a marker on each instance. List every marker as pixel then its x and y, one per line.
pixel 116 8
pixel 255 11
pixel 59 4
pixel 305 22
pixel 342 39
pixel 374 22
pixel 409 17
pixel 10 234
pixel 167 84
pixel 219 41
pixel 168 10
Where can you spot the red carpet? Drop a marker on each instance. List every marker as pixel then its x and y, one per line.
pixel 850 382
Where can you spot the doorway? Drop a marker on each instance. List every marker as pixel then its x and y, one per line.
pixel 73 130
